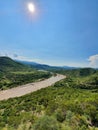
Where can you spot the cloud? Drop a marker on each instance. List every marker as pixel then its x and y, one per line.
pixel 93 60
pixel 21 58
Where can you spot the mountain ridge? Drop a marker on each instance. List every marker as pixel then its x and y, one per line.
pixel 45 66
pixel 8 64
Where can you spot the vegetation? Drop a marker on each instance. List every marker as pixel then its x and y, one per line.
pixel 7 65
pixel 77 72
pixel 13 74
pixel 63 106
pixel 13 79
pixel 71 104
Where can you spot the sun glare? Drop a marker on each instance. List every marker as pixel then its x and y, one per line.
pixel 31 7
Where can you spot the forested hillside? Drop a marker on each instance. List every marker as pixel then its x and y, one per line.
pixel 81 72
pixel 71 104
pixel 7 64
pixel 13 74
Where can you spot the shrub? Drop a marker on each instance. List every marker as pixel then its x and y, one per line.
pixel 46 123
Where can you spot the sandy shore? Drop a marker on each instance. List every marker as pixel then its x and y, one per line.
pixel 28 88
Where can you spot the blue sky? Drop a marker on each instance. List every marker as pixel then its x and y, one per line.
pixel 61 32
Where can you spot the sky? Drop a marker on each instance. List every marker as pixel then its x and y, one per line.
pixel 59 32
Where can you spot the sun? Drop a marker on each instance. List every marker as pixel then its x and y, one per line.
pixel 31 7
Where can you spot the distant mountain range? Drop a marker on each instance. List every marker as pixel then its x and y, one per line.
pixel 7 64
pixel 44 66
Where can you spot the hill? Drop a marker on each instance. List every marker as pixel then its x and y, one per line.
pixel 71 104
pixel 80 72
pixel 46 67
pixel 63 106
pixel 7 64
pixel 13 73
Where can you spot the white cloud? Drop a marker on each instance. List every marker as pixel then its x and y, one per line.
pixel 21 58
pixel 93 60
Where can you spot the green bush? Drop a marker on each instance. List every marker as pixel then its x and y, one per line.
pixel 46 123
pixel 60 115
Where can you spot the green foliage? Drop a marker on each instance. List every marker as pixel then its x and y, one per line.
pixel 70 104
pixel 10 80
pixel 78 72
pixel 60 115
pixel 46 123
pixel 13 74
pixel 7 65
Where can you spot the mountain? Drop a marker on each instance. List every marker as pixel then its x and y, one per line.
pixel 13 74
pixel 69 67
pixel 45 67
pixel 7 64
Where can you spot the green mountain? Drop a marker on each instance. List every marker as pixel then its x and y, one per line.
pixel 7 64
pixel 13 73
pixel 70 104
pixel 81 72
pixel 39 66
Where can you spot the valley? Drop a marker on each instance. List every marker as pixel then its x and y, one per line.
pixel 53 99
pixel 28 88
